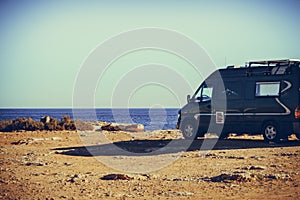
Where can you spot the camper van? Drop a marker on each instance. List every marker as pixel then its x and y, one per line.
pixel 262 97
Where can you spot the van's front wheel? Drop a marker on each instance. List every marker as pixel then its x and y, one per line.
pixel 271 132
pixel 189 129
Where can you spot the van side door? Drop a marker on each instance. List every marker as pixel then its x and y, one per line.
pixel 235 96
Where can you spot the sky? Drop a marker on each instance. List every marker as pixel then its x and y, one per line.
pixel 43 45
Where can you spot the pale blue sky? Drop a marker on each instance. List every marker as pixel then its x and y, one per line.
pixel 44 43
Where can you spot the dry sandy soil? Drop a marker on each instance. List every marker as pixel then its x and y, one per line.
pixel 56 165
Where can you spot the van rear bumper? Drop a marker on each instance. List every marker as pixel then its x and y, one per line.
pixel 296 127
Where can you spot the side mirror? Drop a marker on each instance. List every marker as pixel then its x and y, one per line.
pixel 188 98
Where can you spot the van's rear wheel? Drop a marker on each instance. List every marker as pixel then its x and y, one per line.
pixel 189 129
pixel 271 132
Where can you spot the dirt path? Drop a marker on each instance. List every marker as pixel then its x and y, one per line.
pixel 58 165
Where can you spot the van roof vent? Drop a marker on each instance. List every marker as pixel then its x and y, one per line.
pixel 279 70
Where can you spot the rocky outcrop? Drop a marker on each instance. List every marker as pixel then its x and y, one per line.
pixel 66 123
pixel 46 123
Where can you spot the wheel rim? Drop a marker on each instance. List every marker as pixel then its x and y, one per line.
pixel 270 132
pixel 189 130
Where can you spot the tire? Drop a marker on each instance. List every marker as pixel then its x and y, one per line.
pixel 271 132
pixel 189 129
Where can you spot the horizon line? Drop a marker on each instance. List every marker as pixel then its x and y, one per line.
pixel 87 108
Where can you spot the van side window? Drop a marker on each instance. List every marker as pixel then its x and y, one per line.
pixel 204 94
pixel 266 89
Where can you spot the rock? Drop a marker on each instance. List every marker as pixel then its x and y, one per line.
pixel 35 164
pixel 256 168
pixel 75 178
pixel 45 119
pixel 55 138
pixel 243 177
pixel 253 168
pixel 183 193
pixel 123 127
pixel 257 158
pixel 278 176
pixel 235 157
pixel 67 164
pixel 132 127
pixel 229 178
pixel 143 177
pixel 286 154
pixel 110 127
pixel 271 176
pixel 212 155
pixel 23 141
pixel 30 140
pixel 116 177
pixel 3 181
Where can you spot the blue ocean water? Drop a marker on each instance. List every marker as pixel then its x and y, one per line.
pixel 152 119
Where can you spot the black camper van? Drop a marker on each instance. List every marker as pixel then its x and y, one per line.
pixel 262 97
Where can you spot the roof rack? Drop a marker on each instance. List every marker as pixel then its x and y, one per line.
pixel 271 67
pixel 273 62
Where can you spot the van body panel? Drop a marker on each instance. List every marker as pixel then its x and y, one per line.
pixel 254 95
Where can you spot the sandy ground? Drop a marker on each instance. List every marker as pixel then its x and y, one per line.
pixel 56 165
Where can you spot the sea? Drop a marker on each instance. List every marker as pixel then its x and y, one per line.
pixel 152 119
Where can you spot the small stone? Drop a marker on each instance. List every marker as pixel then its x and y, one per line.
pixel 271 176
pixel 257 168
pixel 67 164
pixel 77 176
pixel 56 138
pixel 183 193
pixel 35 164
